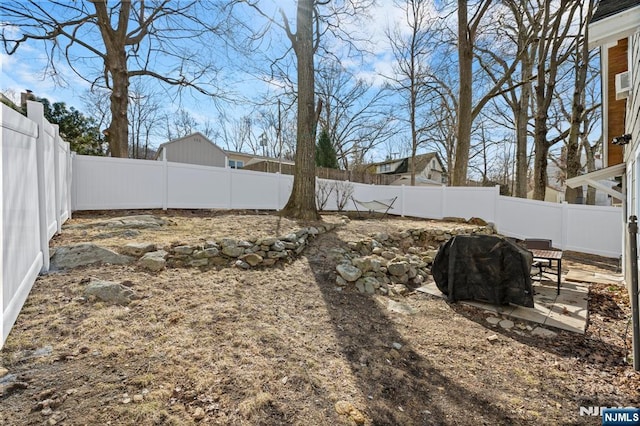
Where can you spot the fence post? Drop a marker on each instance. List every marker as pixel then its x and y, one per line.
pixel 69 179
pixel 230 198
pixel 58 184
pixel 35 112
pixel 74 183
pixel 496 208
pixel 443 202
pixel 402 194
pixel 165 175
pixel 564 225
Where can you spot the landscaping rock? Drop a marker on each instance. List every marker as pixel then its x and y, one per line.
pixel 506 324
pixel 278 246
pixel 252 259
pixel 349 272
pixel 543 332
pixel 85 254
pixel 109 292
pixel 154 260
pixel 137 249
pixel 398 269
pixel 493 320
pixel 186 250
pixel 143 221
pixel 231 248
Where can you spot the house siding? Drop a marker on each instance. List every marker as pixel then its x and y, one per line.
pixel 196 149
pixel 615 108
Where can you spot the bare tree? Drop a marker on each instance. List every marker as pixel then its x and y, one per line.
pixel 144 118
pixel 354 113
pixel 323 192
pixel 315 20
pixel 179 124
pixel 579 111
pixel 466 34
pixel 468 107
pixel 411 67
pixel 554 49
pixel 122 41
pixel 519 29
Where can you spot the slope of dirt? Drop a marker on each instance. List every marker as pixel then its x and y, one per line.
pixel 284 346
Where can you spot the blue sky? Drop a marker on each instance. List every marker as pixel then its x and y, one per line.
pixel 26 69
pixel 247 78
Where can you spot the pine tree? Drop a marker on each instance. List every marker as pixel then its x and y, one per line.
pixel 325 152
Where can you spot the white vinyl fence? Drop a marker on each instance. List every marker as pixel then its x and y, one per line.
pixel 108 183
pixel 36 189
pixel 42 183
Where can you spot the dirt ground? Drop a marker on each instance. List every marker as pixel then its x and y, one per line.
pixel 283 346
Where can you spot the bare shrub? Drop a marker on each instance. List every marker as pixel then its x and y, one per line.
pixel 344 191
pixel 324 189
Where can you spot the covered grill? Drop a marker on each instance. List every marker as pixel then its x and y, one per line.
pixel 485 268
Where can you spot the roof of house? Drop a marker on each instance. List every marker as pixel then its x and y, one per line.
pixel 608 8
pixel 422 160
pixel 253 158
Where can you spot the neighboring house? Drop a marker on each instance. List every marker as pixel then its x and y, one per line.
pixel 615 29
pixel 195 148
pixel 429 170
pixel 556 187
pixel 239 160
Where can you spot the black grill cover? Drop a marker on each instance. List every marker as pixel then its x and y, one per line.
pixel 485 268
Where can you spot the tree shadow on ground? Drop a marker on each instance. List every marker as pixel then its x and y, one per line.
pixel 403 386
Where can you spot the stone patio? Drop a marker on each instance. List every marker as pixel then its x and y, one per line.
pixel 566 311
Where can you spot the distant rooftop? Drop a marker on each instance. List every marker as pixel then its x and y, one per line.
pixel 607 8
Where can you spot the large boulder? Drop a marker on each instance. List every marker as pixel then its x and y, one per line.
pixel 484 268
pixel 85 254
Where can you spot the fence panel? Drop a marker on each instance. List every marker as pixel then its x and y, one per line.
pixel 117 183
pixel 520 218
pixel 64 180
pixel 425 202
pixel 587 226
pixel 47 137
pixel 468 202
pixel 254 190
pixel 198 187
pixel 21 252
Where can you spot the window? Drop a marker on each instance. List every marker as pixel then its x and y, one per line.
pixel 236 164
pixel 385 168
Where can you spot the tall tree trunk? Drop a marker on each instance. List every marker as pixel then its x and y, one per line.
pixel 116 68
pixel 577 107
pixel 414 131
pixel 591 162
pixel 302 202
pixel 119 127
pixel 522 121
pixel 541 151
pixel 465 107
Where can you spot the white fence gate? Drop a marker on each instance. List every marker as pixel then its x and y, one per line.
pixel 36 189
